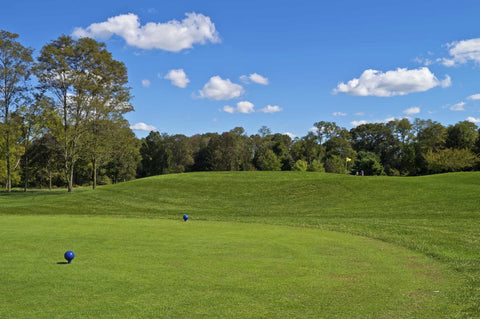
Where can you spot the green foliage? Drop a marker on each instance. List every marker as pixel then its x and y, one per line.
pixel 336 164
pixel 369 163
pixel 431 135
pixel 462 135
pixel 450 160
pixel 300 166
pixel 269 162
pixel 316 166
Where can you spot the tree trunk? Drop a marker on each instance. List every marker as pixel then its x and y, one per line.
pixel 26 174
pixel 70 179
pixel 49 180
pixel 68 170
pixel 9 177
pixel 94 173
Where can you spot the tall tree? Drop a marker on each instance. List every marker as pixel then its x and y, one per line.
pixel 30 116
pixel 89 86
pixel 327 130
pixel 15 69
pixel 462 135
pixel 125 157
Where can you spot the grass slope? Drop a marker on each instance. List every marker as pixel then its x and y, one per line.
pixel 437 216
pixel 138 268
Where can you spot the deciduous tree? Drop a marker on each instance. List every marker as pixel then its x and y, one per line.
pixel 15 68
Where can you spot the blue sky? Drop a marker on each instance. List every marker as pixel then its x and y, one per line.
pixel 209 66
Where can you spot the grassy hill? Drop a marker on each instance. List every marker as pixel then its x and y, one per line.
pixel 437 216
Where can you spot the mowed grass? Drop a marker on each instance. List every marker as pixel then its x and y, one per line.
pixel 141 268
pixel 436 216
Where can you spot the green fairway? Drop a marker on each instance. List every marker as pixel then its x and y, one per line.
pixel 158 268
pixel 258 222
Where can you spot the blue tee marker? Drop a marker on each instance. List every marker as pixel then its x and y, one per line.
pixel 185 217
pixel 69 255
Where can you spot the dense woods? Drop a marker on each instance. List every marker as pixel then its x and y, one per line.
pixel 397 148
pixel 62 124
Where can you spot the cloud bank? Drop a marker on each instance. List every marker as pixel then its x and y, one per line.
pixel 392 83
pixel 172 36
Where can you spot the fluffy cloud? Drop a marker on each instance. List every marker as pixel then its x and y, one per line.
pixel 339 114
pixel 291 135
pixel 357 123
pixel 412 111
pixel 171 36
pixel 457 107
pixel 271 109
pixel 463 52
pixel 178 78
pixel 254 77
pixel 146 83
pixel 473 120
pixel 474 97
pixel 391 83
pixel 140 126
pixel 242 107
pixel 219 89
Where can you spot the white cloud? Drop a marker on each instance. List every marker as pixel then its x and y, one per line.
pixel 389 119
pixel 291 135
pixel 254 77
pixel 313 129
pixel 140 126
pixel 271 109
pixel 463 52
pixel 446 62
pixel 339 114
pixel 474 97
pixel 457 107
pixel 171 36
pixel 360 113
pixel 219 89
pixel 178 78
pixel 357 123
pixel 392 83
pixel 146 83
pixel 424 61
pixel 412 111
pixel 242 107
pixel 473 120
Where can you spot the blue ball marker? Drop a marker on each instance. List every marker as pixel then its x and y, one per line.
pixel 69 255
pixel 185 217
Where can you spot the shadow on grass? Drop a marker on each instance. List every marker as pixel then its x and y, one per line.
pixel 62 263
pixel 30 193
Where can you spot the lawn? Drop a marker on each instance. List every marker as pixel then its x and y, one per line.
pixel 258 244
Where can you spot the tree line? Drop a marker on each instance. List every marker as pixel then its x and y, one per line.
pixel 396 148
pixel 62 124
